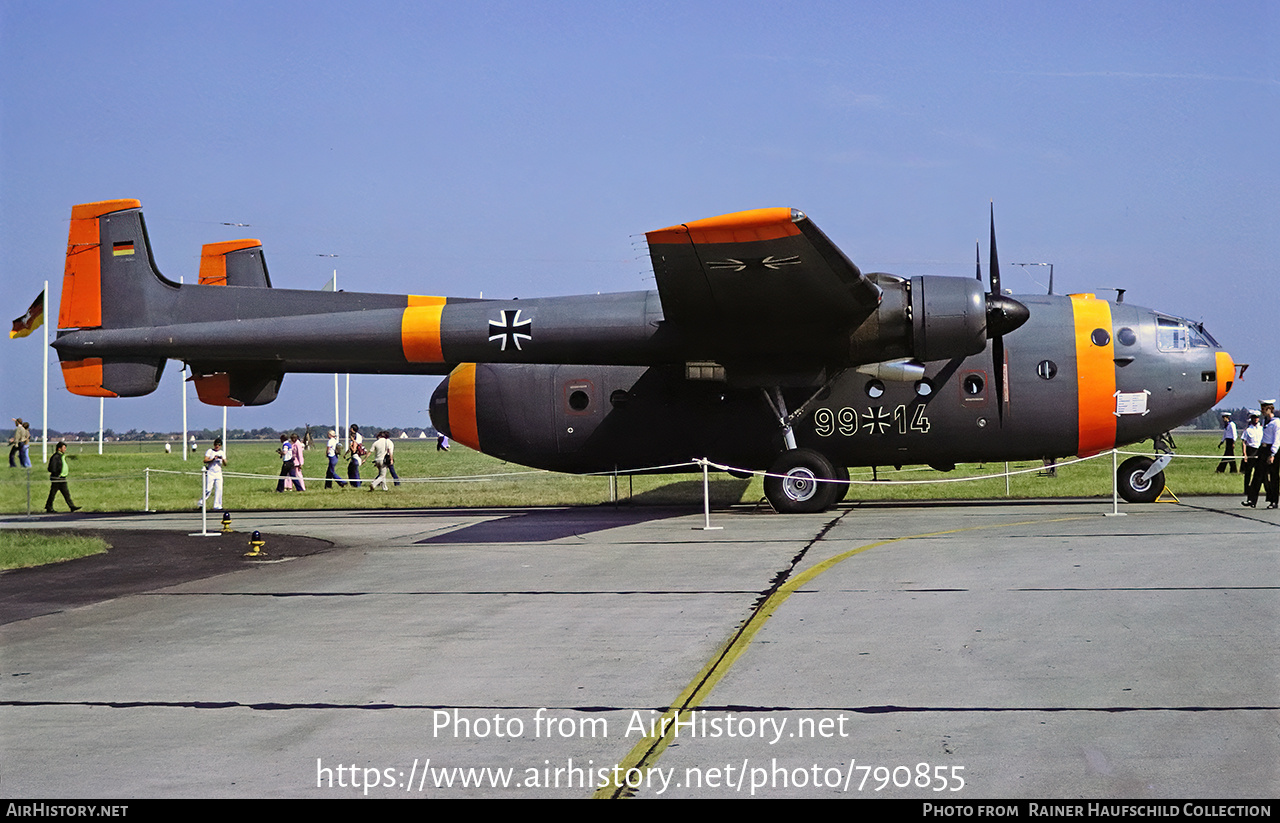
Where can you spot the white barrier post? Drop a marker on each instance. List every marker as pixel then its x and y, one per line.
pixel 146 495
pixel 706 499
pixel 1115 489
pixel 204 508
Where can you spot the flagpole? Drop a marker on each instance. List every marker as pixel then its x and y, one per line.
pixel 182 384
pixel 44 354
pixel 337 410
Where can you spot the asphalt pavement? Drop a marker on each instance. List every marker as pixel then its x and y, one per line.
pixel 931 650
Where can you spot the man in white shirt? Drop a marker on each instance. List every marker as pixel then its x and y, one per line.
pixel 214 459
pixel 331 453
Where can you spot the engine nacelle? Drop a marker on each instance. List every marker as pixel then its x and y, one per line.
pixel 948 317
pixel 932 318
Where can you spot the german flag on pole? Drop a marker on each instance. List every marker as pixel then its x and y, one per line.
pixel 30 321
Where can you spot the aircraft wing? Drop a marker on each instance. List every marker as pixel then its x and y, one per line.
pixel 768 270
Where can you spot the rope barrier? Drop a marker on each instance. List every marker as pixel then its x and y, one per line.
pixel 703 465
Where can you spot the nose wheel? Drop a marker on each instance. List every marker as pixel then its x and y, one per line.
pixel 798 482
pixel 1132 486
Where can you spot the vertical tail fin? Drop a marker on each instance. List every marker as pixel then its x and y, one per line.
pixel 234 263
pixel 110 281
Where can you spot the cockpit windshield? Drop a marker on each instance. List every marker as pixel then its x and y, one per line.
pixel 1177 334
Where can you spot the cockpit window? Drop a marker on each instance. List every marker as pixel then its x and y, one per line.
pixel 1197 338
pixel 1208 337
pixel 1177 334
pixel 1171 335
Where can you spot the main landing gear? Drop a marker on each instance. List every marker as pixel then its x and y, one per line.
pixel 800 482
pixel 1132 486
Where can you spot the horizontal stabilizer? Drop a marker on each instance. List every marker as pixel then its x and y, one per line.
pixel 112 376
pixel 242 387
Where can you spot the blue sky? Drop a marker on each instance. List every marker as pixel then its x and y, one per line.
pixel 521 149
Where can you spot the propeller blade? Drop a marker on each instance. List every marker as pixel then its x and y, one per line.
pixel 1001 373
pixel 1004 314
pixel 977 259
pixel 995 261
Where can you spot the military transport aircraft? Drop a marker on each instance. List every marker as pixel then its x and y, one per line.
pixel 764 347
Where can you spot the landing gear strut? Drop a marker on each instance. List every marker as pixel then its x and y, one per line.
pixel 800 479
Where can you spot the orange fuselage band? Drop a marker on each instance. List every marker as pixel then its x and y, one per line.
pixel 420 329
pixel 462 406
pixel 1095 375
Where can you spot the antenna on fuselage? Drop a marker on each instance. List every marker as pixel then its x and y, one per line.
pixel 1050 265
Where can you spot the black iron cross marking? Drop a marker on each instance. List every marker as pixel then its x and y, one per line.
pixel 771 263
pixel 876 420
pixel 511 329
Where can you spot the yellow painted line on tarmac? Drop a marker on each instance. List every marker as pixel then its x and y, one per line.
pixel 646 752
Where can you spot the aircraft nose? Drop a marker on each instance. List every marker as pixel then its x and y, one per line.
pixel 1226 373
pixel 1004 314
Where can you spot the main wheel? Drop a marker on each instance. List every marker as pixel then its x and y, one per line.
pixel 1131 485
pixel 842 488
pixel 794 483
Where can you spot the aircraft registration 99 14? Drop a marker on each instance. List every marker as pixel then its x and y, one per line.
pixel 763 348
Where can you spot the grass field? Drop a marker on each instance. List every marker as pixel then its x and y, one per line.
pixel 20 549
pixel 116 481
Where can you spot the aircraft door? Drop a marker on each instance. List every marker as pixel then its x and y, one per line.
pixel 578 408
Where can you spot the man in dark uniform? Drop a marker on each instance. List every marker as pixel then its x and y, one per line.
pixel 1265 465
pixel 1229 445
pixel 58 471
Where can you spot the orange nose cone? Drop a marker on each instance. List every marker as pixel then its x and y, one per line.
pixel 1226 369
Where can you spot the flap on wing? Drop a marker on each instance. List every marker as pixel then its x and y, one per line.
pixel 770 265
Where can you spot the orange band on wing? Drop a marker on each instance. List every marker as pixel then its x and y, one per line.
pixel 739 227
pixel 420 329
pixel 462 406
pixel 84 377
pixel 1095 375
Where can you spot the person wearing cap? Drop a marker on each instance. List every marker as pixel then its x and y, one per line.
pixel 1265 465
pixel 1228 443
pixel 331 452
pixel 1250 439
